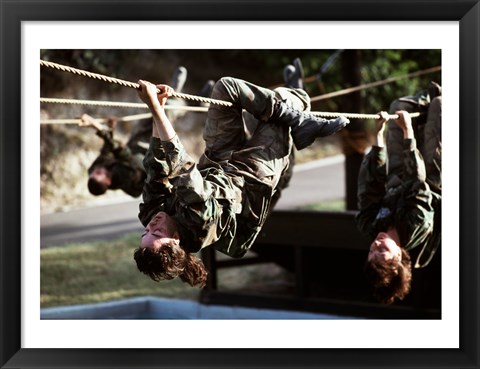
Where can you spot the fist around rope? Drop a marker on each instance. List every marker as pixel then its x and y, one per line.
pixel 148 93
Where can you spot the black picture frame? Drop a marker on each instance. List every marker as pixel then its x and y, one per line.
pixel 13 13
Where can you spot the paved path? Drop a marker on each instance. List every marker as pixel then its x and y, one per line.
pixel 312 182
pixel 315 182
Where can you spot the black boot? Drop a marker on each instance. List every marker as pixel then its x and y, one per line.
pixel 179 78
pixel 293 74
pixel 207 89
pixel 305 127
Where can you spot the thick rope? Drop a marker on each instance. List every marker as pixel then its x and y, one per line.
pixel 119 104
pixel 66 121
pixel 130 118
pixel 358 116
pixel 121 82
pixel 127 118
pixel 374 84
pixel 349 90
pixel 194 108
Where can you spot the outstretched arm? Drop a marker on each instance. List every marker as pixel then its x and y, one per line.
pixel 380 128
pixel 417 210
pixel 88 121
pixel 162 128
pixel 110 144
pixel 404 121
pixel 413 165
pixel 371 179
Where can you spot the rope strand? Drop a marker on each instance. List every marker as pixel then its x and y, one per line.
pixel 124 83
pixel 358 116
pixel 374 84
pixel 188 108
pixel 127 118
pixel 119 104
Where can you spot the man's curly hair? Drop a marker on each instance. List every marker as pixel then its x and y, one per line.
pixel 390 280
pixel 171 261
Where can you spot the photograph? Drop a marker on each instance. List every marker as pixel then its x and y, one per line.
pixel 327 216
pixel 173 183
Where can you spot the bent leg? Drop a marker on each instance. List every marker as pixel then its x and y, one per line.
pixel 296 98
pixel 225 129
pixel 268 153
pixel 178 81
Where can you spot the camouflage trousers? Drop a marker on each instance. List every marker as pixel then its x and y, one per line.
pixel 243 134
pixel 428 134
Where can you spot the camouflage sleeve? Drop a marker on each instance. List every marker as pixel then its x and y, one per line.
pixel 119 151
pixel 416 190
pixel 417 210
pixel 172 172
pixel 124 154
pixel 109 144
pixel 156 188
pixel 106 153
pixel 198 201
pixel 371 188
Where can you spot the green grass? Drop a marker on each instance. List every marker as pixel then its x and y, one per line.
pixel 100 271
pixel 85 273
pixel 332 205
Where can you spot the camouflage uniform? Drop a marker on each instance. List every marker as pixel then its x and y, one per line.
pixel 124 163
pixel 409 197
pixel 223 201
pixel 428 131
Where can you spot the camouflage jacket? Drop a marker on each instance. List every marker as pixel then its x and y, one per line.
pixel 126 168
pixel 214 204
pixel 406 204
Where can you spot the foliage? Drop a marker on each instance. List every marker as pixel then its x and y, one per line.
pixel 382 64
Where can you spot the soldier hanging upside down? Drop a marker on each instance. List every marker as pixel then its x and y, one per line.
pixel 400 208
pixel 120 166
pixel 224 200
pixel 117 166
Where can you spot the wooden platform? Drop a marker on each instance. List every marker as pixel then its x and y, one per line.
pixel 326 254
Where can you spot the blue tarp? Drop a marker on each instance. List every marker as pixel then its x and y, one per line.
pixel 164 308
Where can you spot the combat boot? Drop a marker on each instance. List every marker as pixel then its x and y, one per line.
pixel 205 91
pixel 179 78
pixel 305 128
pixel 293 74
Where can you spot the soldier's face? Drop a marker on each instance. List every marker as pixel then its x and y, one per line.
pixel 101 175
pixel 384 249
pixel 161 230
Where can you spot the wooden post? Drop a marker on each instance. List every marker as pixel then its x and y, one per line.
pixel 209 259
pixel 354 134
